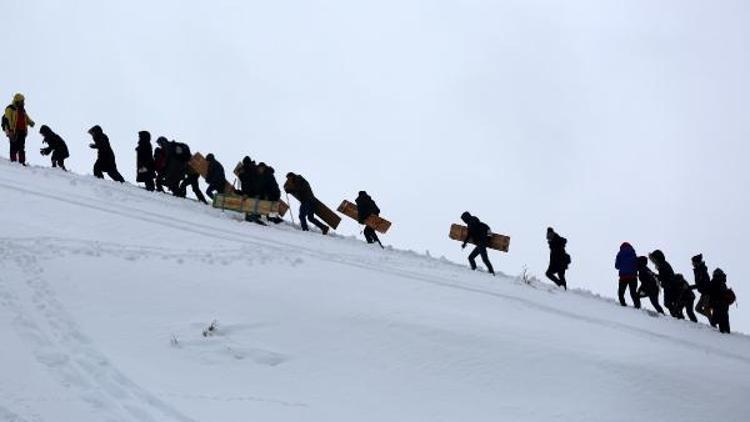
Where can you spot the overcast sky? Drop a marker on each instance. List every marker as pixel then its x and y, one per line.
pixel 611 121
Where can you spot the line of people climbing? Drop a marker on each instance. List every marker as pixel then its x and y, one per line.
pixel 166 166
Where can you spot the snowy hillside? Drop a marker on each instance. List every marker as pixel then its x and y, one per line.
pixel 105 290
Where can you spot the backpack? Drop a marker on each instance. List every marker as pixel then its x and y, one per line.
pixel 730 297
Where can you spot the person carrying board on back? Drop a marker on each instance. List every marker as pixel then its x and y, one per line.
pixel 478 233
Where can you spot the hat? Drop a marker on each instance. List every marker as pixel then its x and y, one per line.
pixel 697 259
pixel 144 134
pixel 18 98
pixel 95 130
pixel 210 157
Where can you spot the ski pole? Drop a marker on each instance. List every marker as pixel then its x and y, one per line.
pixel 291 213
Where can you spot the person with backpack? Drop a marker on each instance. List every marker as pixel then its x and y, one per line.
pixel 105 160
pixel 666 277
pixel 559 260
pixel 479 234
pixel 702 284
pixel 215 177
pixel 298 186
pixel 649 285
pixel 55 146
pixel 145 167
pixel 15 124
pixel 626 264
pixel 721 297
pixel 685 297
pixel 365 208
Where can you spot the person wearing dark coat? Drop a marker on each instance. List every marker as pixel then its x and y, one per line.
pixel 685 297
pixel 249 178
pixel 365 208
pixel 717 292
pixel 105 160
pixel 215 177
pixel 145 161
pixel 55 146
pixel 269 189
pixel 479 234
pixel 649 285
pixel 702 284
pixel 627 266
pixel 297 185
pixel 559 260
pixel 666 278
pixel 160 165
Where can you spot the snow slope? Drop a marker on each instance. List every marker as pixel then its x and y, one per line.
pixel 105 290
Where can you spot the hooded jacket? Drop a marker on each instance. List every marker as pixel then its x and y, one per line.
pixel 10 118
pixel 365 207
pixel 55 144
pixel 105 155
pixel 626 262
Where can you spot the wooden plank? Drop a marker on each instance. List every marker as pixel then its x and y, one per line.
pixel 244 204
pixel 283 206
pixel 375 222
pixel 199 164
pixel 497 241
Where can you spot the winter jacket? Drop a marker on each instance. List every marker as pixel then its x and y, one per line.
pixel 649 283
pixel 478 232
pixel 300 187
pixel 105 155
pixel 55 145
pixel 717 291
pixel 702 279
pixel 145 165
pixel 10 120
pixel 215 175
pixel 365 207
pixel 269 187
pixel 160 160
pixel 249 179
pixel 558 257
pixel 626 262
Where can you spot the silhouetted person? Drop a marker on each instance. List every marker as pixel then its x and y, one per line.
pixel 666 277
pixel 649 284
pixel 297 185
pixel 145 161
pixel 56 146
pixel 558 258
pixel 105 160
pixel 626 264
pixel 365 208
pixel 269 189
pixel 249 178
pixel 720 300
pixel 685 297
pixel 15 124
pixel 215 177
pixel 702 284
pixel 479 234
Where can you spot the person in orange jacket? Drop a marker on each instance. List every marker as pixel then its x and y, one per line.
pixel 15 124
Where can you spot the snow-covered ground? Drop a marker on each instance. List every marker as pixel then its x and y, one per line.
pixel 105 290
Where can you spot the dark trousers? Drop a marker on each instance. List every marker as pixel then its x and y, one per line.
pixel 59 162
pixel 370 235
pixel 721 317
pixel 18 147
pixel 192 181
pixel 307 213
pixel 480 250
pixel 215 188
pixel 111 171
pixel 654 298
pixel 557 277
pixel 689 304
pixel 149 184
pixel 632 284
pixel 703 307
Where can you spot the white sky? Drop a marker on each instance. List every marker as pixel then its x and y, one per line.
pixel 609 120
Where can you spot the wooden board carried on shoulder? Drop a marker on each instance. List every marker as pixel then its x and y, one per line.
pixel 198 163
pixel 247 205
pixel 321 210
pixel 283 206
pixel 375 222
pixel 497 241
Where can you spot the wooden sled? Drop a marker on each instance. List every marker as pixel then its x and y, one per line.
pixel 375 222
pixel 321 210
pixel 283 206
pixel 199 164
pixel 247 205
pixel 498 242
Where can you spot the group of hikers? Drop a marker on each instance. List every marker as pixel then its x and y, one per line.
pixel 167 166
